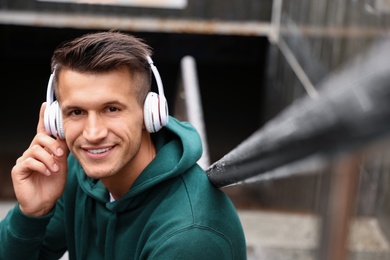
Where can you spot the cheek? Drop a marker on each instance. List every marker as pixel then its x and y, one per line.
pixel 136 120
pixel 130 127
pixel 72 130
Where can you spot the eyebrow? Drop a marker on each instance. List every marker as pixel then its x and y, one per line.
pixel 108 103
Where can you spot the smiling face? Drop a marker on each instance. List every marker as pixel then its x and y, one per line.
pixel 102 120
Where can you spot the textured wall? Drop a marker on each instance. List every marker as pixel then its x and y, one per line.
pixel 238 10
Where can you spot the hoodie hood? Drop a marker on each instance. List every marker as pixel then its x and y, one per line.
pixel 178 147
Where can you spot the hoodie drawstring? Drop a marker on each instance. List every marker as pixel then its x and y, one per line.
pixel 110 237
pixel 85 227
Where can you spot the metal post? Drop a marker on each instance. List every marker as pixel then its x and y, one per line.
pixel 339 212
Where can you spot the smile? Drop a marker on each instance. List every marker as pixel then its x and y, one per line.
pixel 97 151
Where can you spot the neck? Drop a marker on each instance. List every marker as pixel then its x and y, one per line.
pixel 120 183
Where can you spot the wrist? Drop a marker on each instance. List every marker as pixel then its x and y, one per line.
pixel 36 212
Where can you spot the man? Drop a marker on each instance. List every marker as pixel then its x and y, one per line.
pixel 109 174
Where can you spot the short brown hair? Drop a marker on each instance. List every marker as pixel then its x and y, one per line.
pixel 107 51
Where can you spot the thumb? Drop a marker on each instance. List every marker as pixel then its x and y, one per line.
pixel 41 122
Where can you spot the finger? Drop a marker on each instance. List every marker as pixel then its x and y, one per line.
pixel 41 121
pixel 32 165
pixel 27 165
pixel 43 156
pixel 53 146
pixel 64 149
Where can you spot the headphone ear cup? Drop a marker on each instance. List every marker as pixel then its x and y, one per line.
pixel 54 120
pixel 151 113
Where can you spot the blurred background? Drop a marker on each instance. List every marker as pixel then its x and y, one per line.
pixel 251 62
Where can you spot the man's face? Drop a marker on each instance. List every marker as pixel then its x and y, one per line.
pixel 102 120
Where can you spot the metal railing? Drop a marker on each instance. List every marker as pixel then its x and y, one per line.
pixel 188 104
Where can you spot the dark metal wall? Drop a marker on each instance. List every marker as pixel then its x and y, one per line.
pixel 237 10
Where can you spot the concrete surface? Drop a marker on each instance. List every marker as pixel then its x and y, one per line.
pixel 285 236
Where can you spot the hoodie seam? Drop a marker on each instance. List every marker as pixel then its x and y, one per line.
pixel 194 226
pixel 24 239
pixel 189 199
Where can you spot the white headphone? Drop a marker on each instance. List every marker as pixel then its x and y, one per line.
pixel 155 107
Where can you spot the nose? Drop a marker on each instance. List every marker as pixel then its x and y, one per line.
pixel 95 128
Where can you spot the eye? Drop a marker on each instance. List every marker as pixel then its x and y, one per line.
pixel 75 112
pixel 112 109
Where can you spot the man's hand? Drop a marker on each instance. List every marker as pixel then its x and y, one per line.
pixel 39 176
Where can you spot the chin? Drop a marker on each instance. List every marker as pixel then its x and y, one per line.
pixel 98 173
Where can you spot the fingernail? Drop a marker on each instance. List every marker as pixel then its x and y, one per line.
pixel 55 167
pixel 59 152
pixel 47 172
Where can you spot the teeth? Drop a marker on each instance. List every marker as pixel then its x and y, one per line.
pixel 96 151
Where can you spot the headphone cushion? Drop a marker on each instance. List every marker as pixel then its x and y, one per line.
pixel 53 120
pixel 58 120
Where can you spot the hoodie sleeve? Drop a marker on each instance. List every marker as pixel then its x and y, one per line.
pixel 21 236
pixel 196 243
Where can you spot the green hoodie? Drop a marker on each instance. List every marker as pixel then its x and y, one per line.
pixel 172 211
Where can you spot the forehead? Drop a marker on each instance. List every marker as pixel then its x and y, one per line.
pixel 76 85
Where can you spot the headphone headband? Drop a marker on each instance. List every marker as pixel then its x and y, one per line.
pixel 156 76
